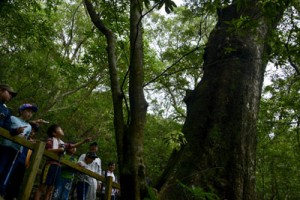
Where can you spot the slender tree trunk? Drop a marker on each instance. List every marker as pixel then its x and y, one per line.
pixel 130 136
pixel 133 172
pixel 222 110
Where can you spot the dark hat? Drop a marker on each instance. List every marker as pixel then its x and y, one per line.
pixel 28 106
pixel 9 89
pixel 91 155
pixel 94 144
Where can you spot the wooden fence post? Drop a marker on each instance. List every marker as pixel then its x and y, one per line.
pixel 32 171
pixel 108 187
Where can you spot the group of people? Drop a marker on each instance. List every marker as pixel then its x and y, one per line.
pixel 57 180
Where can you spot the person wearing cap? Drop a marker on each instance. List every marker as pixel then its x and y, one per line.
pixel 96 167
pixel 6 94
pixel 85 182
pixel 25 114
pixel 12 156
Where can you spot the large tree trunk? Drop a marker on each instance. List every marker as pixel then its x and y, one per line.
pixel 222 111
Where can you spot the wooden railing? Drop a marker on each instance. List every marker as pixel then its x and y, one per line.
pixel 36 159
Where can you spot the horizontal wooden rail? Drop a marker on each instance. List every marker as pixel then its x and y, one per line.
pixel 38 153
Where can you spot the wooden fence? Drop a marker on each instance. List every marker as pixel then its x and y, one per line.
pixel 36 159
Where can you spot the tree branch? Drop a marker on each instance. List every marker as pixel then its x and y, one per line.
pixel 170 67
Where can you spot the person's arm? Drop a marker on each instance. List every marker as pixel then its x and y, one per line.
pixel 7 125
pixel 99 170
pixel 49 147
pixel 81 164
pixel 81 158
pixel 39 121
pixel 88 139
pixel 16 131
pixel 58 151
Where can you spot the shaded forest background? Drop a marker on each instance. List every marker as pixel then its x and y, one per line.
pixel 52 54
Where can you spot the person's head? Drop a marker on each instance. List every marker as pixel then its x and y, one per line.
pixel 93 147
pixel 71 151
pixel 55 131
pixel 26 111
pixel 6 93
pixel 111 166
pixel 90 157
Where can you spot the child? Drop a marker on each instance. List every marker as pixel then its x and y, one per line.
pixel 12 161
pixel 110 172
pixel 85 181
pixel 64 184
pixel 34 130
pixel 52 168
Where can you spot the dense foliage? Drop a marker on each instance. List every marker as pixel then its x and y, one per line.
pixel 53 56
pixel 278 140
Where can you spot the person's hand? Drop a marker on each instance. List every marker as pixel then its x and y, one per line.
pixel 80 165
pixel 88 139
pixel 32 141
pixel 40 121
pixel 99 187
pixel 21 129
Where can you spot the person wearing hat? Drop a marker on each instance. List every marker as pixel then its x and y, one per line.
pixel 85 182
pixel 13 155
pixel 25 114
pixel 96 167
pixel 6 94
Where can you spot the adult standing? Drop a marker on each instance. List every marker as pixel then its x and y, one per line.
pixel 95 167
pixel 8 153
pixel 6 94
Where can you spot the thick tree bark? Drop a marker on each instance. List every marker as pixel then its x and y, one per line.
pixel 222 111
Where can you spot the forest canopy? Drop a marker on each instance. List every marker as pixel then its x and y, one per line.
pixel 55 56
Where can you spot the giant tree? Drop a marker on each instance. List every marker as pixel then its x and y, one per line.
pixel 222 110
pixel 219 155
